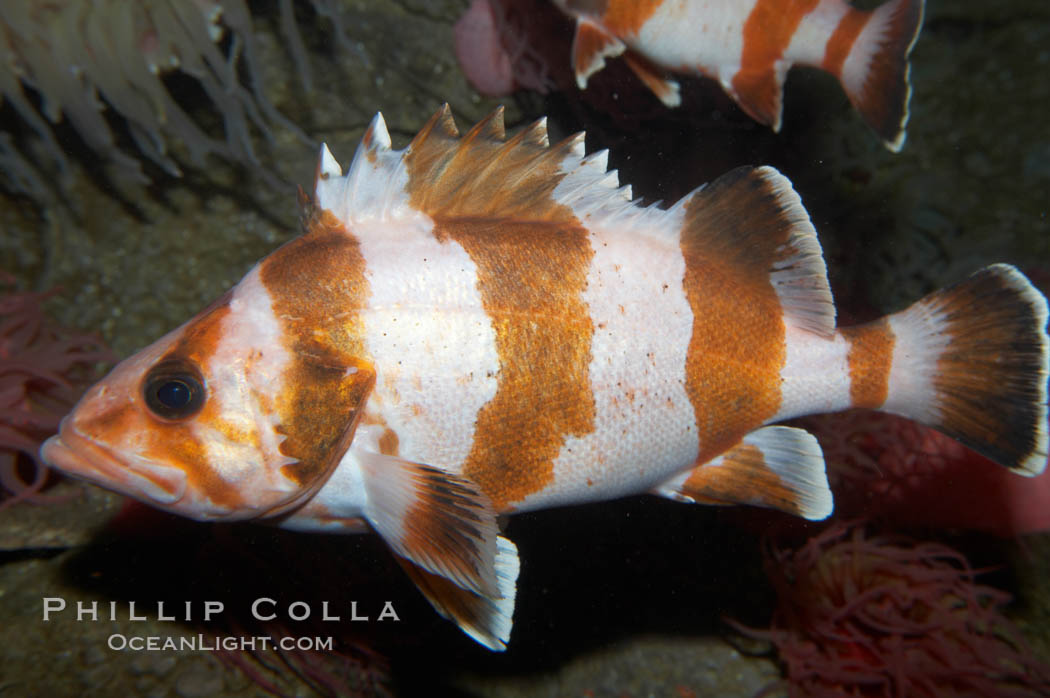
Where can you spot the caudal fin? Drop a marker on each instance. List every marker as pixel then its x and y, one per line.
pixel 875 71
pixel 971 361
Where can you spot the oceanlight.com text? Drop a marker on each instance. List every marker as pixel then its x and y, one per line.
pixel 209 643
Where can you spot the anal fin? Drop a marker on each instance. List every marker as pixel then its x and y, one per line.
pixel 774 467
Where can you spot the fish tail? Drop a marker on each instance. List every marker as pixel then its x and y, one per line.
pixel 869 54
pixel 971 361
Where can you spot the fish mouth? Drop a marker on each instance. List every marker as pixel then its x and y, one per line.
pixel 83 458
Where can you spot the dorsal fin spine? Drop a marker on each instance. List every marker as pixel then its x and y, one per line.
pixel 441 122
pixel 490 129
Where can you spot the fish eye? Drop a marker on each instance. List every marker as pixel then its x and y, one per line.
pixel 173 390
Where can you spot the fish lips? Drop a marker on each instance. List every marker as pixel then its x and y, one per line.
pixel 85 459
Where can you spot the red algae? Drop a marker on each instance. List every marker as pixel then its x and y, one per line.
pixel 862 615
pixel 43 370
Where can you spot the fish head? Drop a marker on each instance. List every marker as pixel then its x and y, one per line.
pixel 221 419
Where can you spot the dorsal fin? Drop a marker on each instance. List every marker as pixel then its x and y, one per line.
pixel 480 175
pixel 751 222
pixel 440 125
pixel 483 176
pixel 374 186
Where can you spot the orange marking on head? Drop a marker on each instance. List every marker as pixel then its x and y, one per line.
pixel 166 442
pixel 842 39
pixel 737 347
pixel 176 442
pixel 870 358
pixel 317 286
pixel 203 335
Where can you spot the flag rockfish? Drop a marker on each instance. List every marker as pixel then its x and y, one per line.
pixel 475 326
pixel 749 45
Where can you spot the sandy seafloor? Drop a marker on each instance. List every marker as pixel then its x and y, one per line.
pixel 625 598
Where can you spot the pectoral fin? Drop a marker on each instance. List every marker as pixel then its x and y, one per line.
pixel 446 531
pixel 774 467
pixel 488 620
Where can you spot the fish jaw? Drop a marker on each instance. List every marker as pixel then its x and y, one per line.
pixel 80 457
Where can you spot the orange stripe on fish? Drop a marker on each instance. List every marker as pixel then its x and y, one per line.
pixel 475 326
pixel 767 32
pixel 842 39
pixel 741 234
pixel 543 332
pixel 530 277
pixel 870 359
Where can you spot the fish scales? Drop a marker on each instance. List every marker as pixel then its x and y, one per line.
pixel 476 326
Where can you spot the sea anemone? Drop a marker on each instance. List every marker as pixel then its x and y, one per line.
pixel 75 60
pixel 863 615
pixel 43 369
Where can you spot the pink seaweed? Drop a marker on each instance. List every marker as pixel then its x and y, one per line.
pixel 43 370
